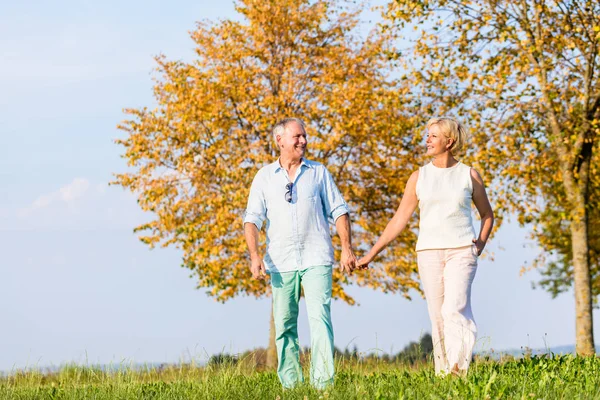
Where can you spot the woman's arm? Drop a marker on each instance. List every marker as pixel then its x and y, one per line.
pixel 397 223
pixel 484 208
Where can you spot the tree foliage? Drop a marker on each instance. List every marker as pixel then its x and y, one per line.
pixel 524 75
pixel 193 157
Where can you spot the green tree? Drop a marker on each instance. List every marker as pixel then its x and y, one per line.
pixel 524 75
pixel 417 351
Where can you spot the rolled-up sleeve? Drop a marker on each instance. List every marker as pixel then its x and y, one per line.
pixel 334 205
pixel 256 211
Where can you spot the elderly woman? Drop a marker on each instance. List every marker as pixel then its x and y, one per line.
pixel 447 247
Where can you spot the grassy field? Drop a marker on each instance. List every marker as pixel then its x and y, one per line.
pixel 559 377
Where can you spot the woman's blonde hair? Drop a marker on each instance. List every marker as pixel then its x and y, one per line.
pixel 452 129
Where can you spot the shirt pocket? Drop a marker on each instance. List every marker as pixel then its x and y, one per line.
pixel 310 213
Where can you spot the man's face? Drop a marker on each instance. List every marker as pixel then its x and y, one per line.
pixel 293 142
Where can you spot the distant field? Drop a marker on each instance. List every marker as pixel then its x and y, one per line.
pixel 561 377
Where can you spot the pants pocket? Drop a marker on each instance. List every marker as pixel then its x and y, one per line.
pixel 474 248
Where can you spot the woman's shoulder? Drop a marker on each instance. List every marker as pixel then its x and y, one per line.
pixel 463 166
pixel 467 168
pixel 475 175
pixel 414 175
pixel 423 169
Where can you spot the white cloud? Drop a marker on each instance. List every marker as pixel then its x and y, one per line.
pixel 80 204
pixel 74 190
pixel 41 202
pixel 65 195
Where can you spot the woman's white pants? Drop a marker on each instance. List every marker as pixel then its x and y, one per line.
pixel 446 276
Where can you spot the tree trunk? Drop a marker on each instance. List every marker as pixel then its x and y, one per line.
pixel 272 349
pixel 584 328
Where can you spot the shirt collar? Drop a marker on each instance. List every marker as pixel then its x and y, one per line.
pixel 277 166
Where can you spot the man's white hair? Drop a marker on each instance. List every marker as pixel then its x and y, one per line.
pixel 279 128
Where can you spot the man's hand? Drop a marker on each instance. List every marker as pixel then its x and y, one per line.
pixel 258 269
pixel 348 261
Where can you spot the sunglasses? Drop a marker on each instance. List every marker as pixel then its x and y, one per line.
pixel 288 194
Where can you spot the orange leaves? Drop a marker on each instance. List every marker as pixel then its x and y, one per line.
pixel 193 158
pixel 526 76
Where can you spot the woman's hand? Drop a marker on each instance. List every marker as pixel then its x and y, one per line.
pixel 480 245
pixel 364 261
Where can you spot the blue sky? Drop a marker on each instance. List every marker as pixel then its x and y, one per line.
pixel 78 286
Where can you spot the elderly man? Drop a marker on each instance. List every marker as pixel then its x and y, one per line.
pixel 298 197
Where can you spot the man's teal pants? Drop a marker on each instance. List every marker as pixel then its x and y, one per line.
pixel 316 282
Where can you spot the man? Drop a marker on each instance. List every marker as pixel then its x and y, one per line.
pixel 298 197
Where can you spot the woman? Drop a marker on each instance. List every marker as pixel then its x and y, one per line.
pixel 447 248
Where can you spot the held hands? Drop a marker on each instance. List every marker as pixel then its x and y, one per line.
pixel 348 261
pixel 257 267
pixel 364 261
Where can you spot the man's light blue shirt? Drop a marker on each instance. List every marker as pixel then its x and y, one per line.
pixel 297 232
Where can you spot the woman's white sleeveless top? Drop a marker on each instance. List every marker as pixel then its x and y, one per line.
pixel 445 196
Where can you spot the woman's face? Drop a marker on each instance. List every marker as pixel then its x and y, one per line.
pixel 436 142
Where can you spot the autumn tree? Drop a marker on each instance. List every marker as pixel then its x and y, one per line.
pixel 192 158
pixel 524 75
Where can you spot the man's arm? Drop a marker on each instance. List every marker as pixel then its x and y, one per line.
pixel 337 210
pixel 257 267
pixel 348 261
pixel 253 219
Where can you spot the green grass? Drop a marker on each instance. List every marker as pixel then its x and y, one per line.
pixel 559 377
